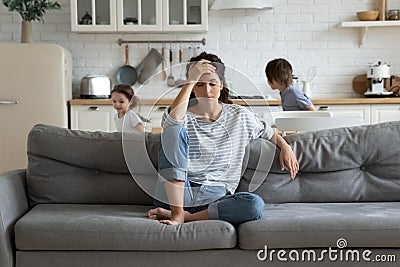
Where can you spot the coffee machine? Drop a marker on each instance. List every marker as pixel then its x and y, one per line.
pixel 376 74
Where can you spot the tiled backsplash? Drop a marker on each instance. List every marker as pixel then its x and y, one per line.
pixel 306 32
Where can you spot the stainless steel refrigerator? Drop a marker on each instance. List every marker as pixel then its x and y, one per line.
pixel 35 85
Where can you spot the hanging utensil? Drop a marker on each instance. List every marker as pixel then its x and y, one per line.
pixel 163 73
pixel 189 52
pixel 126 74
pixel 148 65
pixel 170 79
pixel 180 81
pixel 195 50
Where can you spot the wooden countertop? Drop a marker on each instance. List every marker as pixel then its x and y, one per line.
pixel 109 102
pixel 355 101
pixel 250 102
pixel 254 102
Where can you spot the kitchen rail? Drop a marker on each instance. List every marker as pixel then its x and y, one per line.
pixel 202 41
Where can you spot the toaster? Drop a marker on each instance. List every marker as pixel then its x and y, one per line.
pixel 95 86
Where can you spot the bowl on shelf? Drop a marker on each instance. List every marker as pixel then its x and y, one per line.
pixel 368 15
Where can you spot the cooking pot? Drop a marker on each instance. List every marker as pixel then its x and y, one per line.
pixel 95 86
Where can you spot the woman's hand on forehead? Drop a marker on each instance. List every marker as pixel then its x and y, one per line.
pixel 197 70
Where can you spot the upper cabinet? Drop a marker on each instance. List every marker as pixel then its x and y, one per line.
pixel 139 15
pixel 185 15
pixel 93 15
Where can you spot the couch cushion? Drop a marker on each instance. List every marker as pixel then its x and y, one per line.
pixel 114 227
pixel 302 225
pixel 336 165
pixel 68 166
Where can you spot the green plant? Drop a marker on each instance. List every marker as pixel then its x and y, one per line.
pixel 31 10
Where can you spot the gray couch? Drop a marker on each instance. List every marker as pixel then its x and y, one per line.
pixel 77 204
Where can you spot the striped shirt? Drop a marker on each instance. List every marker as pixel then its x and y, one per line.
pixel 216 149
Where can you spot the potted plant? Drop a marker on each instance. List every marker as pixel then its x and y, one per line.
pixel 30 10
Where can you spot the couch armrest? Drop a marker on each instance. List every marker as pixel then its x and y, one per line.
pixel 13 204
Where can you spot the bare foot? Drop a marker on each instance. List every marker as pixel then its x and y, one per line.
pixel 159 214
pixel 169 222
pixel 164 216
pixel 176 219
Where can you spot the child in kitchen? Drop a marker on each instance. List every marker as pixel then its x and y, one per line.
pixel 279 74
pixel 124 101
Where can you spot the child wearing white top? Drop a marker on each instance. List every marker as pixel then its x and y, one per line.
pixel 124 101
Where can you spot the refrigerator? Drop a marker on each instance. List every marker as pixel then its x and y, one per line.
pixel 35 85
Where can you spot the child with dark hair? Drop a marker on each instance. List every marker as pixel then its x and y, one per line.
pixel 279 74
pixel 124 101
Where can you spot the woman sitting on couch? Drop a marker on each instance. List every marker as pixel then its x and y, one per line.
pixel 202 150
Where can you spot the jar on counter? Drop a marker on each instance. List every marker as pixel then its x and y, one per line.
pixel 394 14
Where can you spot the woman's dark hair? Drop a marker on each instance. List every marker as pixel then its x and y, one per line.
pixel 220 70
pixel 280 71
pixel 127 90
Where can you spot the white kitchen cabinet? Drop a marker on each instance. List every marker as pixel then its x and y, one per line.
pixel 358 111
pixel 385 112
pixel 101 117
pixel 93 118
pixel 185 15
pixel 153 112
pixel 93 16
pixel 139 15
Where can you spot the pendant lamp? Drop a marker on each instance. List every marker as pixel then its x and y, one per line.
pixel 241 4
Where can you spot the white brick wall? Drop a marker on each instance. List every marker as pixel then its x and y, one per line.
pixel 305 32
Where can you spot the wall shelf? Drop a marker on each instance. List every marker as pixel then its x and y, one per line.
pixel 365 25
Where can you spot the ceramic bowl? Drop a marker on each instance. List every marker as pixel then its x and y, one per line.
pixel 368 15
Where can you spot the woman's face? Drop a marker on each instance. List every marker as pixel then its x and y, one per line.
pixel 209 86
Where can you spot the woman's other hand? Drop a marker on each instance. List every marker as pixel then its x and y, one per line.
pixel 288 159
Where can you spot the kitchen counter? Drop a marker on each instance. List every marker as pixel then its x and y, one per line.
pixel 250 102
pixel 254 102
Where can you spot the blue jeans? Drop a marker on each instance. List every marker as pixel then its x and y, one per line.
pixel 172 165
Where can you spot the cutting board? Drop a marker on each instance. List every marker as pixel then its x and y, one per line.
pixel 360 84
